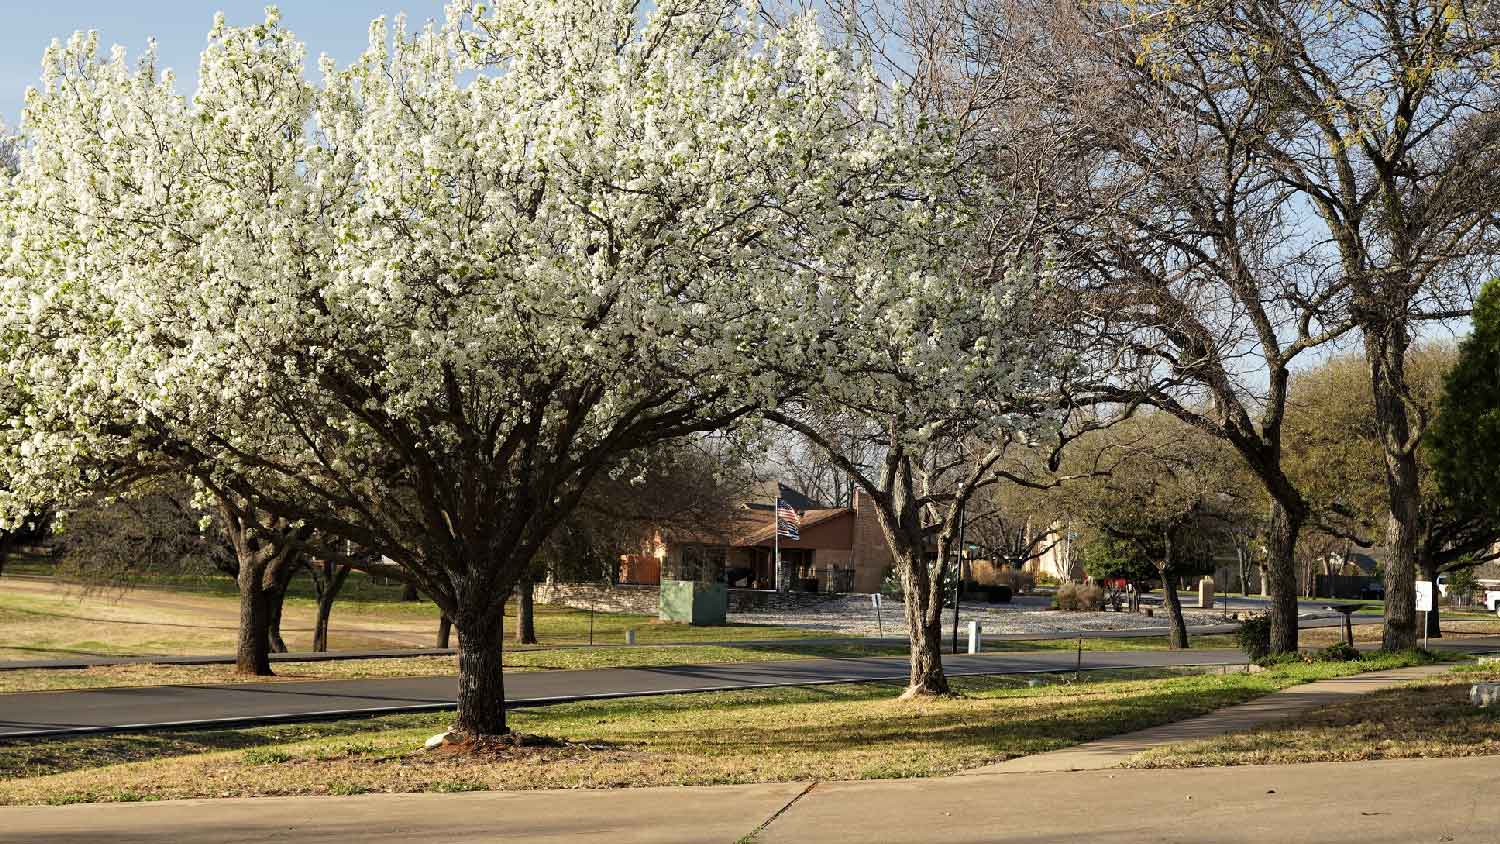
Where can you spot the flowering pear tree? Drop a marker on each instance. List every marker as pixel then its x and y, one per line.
pixel 420 305
pixel 949 373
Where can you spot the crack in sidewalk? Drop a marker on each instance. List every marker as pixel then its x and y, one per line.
pixel 755 833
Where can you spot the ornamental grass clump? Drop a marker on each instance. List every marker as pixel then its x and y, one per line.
pixel 1079 597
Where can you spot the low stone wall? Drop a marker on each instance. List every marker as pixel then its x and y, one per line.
pixel 645 600
pixel 642 600
pixel 756 600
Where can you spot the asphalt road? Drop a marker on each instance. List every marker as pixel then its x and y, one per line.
pixel 40 714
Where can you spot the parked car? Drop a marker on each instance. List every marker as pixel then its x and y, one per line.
pixel 1492 600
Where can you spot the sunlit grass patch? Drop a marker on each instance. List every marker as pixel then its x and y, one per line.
pixel 1428 718
pixel 756 735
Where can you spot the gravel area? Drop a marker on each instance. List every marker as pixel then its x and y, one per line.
pixel 1026 614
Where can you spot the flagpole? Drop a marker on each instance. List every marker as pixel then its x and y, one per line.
pixel 776 536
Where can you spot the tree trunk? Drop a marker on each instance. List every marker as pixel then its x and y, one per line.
pixel 526 613
pixel 275 599
pixel 927 676
pixel 252 655
pixel 1385 350
pixel 320 626
pixel 1281 576
pixel 410 593
pixel 481 682
pixel 325 608
pixel 1434 621
pixel 1178 637
pixel 445 626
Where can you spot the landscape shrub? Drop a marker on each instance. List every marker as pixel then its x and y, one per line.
pixel 1044 579
pixel 1091 598
pixel 1337 652
pixel 892 586
pixel 1079 598
pixel 1019 582
pixel 1066 597
pixel 1255 637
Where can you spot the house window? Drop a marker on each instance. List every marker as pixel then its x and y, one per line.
pixel 704 563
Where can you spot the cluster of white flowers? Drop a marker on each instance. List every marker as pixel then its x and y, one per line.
pixel 555 223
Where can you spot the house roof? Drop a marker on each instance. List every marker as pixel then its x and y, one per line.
pixel 1365 561
pixel 765 494
pixel 764 533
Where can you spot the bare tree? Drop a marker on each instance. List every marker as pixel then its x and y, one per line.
pixel 1381 119
pixel 1178 246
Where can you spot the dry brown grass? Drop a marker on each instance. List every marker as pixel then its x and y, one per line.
pixel 1454 631
pixel 1428 719
pixel 49 620
pixel 560 659
pixel 45 619
pixel 855 731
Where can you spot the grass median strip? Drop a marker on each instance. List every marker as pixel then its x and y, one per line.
pixel 560 659
pixel 1431 718
pixel 846 731
pixel 44 620
pixel 545 659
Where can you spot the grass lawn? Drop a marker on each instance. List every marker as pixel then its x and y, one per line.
pixel 150 674
pixel 1431 718
pixel 854 731
pixel 44 619
pixel 1454 630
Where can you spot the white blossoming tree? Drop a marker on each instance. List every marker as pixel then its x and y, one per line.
pixel 418 306
pixel 953 374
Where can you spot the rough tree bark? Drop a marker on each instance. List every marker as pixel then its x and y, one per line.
pixel 526 612
pixel 481 684
pixel 275 600
pixel 1178 637
pixel 927 677
pixel 253 652
pixel 280 581
pixel 1281 574
pixel 1385 349
pixel 261 552
pixel 444 632
pixel 328 591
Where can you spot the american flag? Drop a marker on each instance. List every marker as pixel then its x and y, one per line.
pixel 788 522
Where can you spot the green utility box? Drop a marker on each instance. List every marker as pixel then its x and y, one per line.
pixel 692 602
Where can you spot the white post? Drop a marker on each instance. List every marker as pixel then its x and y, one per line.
pixel 630 637
pixel 974 642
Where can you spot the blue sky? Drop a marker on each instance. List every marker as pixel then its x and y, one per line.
pixel 335 27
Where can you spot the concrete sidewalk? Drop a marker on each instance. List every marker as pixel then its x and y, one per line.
pixel 1116 750
pixel 1385 802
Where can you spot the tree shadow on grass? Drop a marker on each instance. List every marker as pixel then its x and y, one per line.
pixel 43 757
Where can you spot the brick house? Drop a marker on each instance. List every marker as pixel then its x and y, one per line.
pixel 841 549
